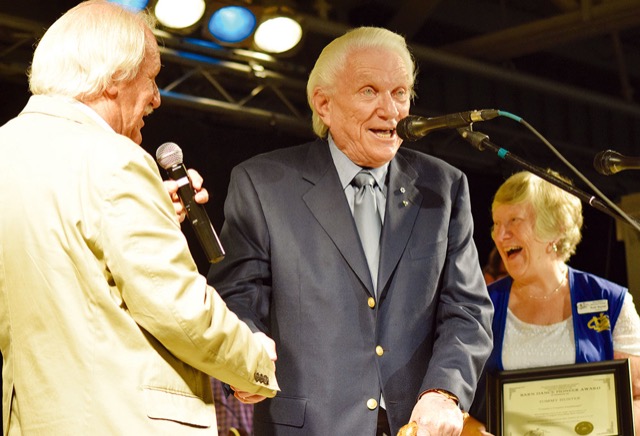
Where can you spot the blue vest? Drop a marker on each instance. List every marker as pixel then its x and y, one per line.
pixel 593 323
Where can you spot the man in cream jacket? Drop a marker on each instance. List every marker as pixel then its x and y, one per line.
pixel 106 326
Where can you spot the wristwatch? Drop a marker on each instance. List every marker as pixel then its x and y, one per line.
pixel 447 394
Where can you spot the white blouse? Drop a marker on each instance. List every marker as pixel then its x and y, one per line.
pixel 531 345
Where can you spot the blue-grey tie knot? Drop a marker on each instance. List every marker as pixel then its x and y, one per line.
pixel 364 178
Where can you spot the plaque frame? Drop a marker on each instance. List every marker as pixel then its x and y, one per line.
pixel 619 369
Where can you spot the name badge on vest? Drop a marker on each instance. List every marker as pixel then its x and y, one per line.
pixel 592 306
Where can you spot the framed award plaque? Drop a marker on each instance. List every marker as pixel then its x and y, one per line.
pixel 567 400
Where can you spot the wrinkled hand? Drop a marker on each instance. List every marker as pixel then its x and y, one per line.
pixel 270 346
pixel 201 197
pixel 434 415
pixel 247 397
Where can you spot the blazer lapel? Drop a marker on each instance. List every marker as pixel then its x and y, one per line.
pixel 403 204
pixel 327 203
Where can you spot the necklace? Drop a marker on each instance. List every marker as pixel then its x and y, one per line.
pixel 545 297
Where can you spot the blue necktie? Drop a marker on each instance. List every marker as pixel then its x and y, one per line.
pixel 367 218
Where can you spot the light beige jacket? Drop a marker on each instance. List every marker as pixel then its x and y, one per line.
pixel 106 327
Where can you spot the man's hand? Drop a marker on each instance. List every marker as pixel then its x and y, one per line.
pixel 436 415
pixel 247 397
pixel 201 197
pixel 270 347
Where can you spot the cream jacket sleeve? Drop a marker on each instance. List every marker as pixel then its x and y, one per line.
pixel 155 276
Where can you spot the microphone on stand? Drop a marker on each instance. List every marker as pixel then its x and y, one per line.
pixel 169 157
pixel 609 162
pixel 413 127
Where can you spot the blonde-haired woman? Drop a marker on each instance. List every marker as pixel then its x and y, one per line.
pixel 536 228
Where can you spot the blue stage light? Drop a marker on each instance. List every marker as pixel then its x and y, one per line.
pixel 232 24
pixel 133 5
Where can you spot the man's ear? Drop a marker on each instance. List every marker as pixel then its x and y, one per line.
pixel 321 103
pixel 111 92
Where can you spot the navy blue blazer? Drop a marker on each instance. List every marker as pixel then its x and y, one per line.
pixel 295 269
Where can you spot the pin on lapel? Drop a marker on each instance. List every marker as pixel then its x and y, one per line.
pixel 405 203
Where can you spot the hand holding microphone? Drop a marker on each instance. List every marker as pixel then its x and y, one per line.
pixel 201 194
pixel 169 157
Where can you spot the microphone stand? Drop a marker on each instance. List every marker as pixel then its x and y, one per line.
pixel 481 142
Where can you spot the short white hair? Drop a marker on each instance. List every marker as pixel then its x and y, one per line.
pixel 92 46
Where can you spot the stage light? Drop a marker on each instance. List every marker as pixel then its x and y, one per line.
pixel 278 31
pixel 132 5
pixel 258 27
pixel 179 14
pixel 232 24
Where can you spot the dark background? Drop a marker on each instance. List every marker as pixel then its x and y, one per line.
pixel 568 68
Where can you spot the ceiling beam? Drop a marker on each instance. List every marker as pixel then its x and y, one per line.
pixel 288 72
pixel 566 5
pixel 546 34
pixel 411 16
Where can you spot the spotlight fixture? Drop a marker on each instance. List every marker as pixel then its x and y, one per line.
pixel 179 15
pixel 238 24
pixel 278 31
pixel 231 24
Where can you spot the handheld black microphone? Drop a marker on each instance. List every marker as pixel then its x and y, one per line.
pixel 609 162
pixel 414 127
pixel 169 157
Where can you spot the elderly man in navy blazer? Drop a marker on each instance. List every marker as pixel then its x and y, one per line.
pixel 359 352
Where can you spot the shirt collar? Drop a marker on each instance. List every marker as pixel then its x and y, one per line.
pixel 347 170
pixel 91 114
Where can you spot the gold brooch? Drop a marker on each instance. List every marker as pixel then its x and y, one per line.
pixel 600 323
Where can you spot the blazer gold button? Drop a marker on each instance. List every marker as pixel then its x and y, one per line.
pixel 379 350
pixel 371 302
pixel 372 404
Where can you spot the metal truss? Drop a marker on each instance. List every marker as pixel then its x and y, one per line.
pixel 235 83
pixel 257 90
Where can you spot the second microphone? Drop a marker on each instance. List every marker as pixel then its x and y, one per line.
pixel 169 156
pixel 414 127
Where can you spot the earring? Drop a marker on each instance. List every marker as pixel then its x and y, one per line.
pixel 554 247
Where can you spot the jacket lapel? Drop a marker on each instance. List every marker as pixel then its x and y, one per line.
pixel 336 219
pixel 403 204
